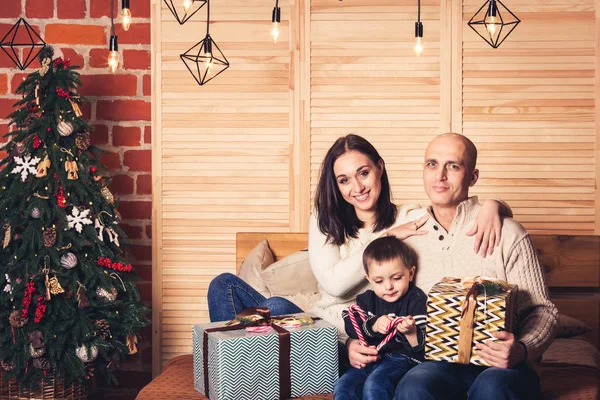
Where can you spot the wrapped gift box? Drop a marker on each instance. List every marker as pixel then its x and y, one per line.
pixel 259 365
pixel 451 334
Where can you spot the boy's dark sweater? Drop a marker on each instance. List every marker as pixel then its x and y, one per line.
pixel 413 303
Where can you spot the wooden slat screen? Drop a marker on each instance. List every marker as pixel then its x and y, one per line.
pixel 366 79
pixel 529 107
pixel 225 155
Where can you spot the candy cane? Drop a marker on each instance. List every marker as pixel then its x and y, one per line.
pixel 391 326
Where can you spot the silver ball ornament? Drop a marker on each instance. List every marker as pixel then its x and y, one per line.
pixel 36 213
pixel 68 261
pixel 65 128
pixel 85 355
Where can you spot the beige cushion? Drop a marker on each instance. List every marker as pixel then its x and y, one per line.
pixel 259 258
pixel 290 275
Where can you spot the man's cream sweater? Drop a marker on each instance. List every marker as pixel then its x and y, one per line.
pixel 451 254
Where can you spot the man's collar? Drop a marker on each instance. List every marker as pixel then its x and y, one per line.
pixel 466 211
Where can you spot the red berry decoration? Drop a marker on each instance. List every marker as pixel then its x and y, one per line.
pixel 40 309
pixel 93 169
pixel 37 142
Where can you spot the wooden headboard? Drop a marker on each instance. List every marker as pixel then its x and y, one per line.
pixel 571 263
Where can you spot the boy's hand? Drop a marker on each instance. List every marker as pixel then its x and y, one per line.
pixel 381 324
pixel 407 326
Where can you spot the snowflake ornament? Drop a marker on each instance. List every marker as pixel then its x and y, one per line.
pixel 25 166
pixel 78 219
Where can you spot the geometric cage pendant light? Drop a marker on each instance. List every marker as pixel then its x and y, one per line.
pixel 493 22
pixel 205 60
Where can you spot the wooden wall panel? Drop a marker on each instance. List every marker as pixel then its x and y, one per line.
pixel 366 79
pixel 529 106
pixel 225 155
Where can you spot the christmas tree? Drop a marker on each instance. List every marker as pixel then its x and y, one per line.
pixel 68 302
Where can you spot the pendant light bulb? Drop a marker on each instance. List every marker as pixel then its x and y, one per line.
pixel 491 18
pixel 208 54
pixel 125 15
pixel 113 54
pixel 187 4
pixel 276 19
pixel 419 36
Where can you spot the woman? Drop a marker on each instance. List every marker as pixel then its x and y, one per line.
pixel 353 206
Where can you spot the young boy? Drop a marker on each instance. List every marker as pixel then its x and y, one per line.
pixel 390 269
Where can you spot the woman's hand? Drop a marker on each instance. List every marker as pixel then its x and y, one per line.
pixel 409 229
pixel 487 228
pixel 360 355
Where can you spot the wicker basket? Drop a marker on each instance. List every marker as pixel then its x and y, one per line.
pixel 50 388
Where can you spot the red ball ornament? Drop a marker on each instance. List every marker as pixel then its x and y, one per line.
pixel 49 129
pixel 93 169
pixel 37 142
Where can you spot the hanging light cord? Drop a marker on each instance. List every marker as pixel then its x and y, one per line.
pixel 418 10
pixel 208 18
pixel 276 3
pixel 112 17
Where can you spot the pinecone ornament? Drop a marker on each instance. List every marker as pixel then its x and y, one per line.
pixel 82 140
pixel 102 327
pixel 16 320
pixel 49 236
pixel 36 353
pixel 7 365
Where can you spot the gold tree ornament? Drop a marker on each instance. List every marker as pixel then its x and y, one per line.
pixel 7 235
pixel 55 287
pixel 76 108
pixel 45 66
pixel 82 299
pixel 71 168
pixel 37 95
pixel 132 341
pixel 42 168
pixel 108 196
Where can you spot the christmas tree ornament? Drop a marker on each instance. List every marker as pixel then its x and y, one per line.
pixel 20 147
pixel 37 94
pixel 45 66
pixel 16 319
pixel 40 309
pixel 27 295
pixel 7 235
pixel 42 363
pixel 102 329
pixel 113 236
pixel 35 213
pixel 37 142
pixel 87 354
pixel 64 128
pixel 97 177
pixel 82 299
pixel 25 166
pixel 68 261
pixel 108 196
pixel 55 287
pixel 36 353
pixel 78 218
pixel 7 365
pixel 131 342
pixel 42 168
pixel 71 168
pixel 93 169
pixel 9 288
pixel 76 108
pixel 49 236
pixel 60 198
pixel 83 141
pixel 105 295
pixel 36 338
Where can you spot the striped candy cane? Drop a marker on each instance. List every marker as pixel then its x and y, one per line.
pixel 391 326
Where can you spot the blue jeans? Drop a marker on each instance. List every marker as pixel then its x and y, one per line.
pixel 441 380
pixel 228 295
pixel 377 380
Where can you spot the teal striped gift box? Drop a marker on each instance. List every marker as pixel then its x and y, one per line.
pixel 292 362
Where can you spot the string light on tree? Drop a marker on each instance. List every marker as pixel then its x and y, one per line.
pixel 276 20
pixel 125 15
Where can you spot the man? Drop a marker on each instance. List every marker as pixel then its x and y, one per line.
pixel 448 173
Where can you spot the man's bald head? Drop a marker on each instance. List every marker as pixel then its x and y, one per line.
pixel 469 148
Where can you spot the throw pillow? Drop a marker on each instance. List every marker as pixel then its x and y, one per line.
pixel 569 327
pixel 290 275
pixel 259 258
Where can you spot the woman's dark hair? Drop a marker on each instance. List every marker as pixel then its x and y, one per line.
pixel 336 217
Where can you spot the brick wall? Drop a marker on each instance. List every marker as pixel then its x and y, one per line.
pixel 120 112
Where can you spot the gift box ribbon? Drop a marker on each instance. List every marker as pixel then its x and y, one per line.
pixel 475 287
pixel 259 316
